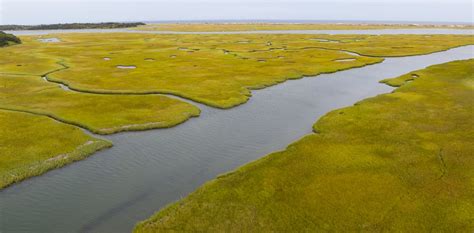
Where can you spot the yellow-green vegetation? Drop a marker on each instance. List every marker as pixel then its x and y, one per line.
pixel 31 145
pixel 217 70
pixel 225 27
pixel 103 114
pixel 399 162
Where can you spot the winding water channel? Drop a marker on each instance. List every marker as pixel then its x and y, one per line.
pixel 144 171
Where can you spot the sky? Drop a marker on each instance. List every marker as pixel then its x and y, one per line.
pixel 68 11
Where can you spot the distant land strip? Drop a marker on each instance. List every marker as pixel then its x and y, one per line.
pixel 107 25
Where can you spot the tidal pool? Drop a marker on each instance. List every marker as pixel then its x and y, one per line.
pixel 50 40
pixel 114 189
pixel 126 67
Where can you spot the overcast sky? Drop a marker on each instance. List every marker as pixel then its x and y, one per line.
pixel 66 11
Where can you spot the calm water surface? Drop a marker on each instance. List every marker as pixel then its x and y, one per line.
pixel 144 171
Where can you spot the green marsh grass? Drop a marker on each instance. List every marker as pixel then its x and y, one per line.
pixel 30 145
pixel 398 162
pixel 101 114
pixel 217 70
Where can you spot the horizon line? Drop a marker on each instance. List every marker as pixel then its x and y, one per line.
pixel 275 21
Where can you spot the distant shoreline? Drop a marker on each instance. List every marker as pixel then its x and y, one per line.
pixel 123 24
pixel 289 21
pixel 106 25
pixel 276 26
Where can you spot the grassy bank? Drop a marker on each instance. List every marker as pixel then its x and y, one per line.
pixel 217 70
pixel 31 145
pixel 399 162
pixel 226 27
pixel 102 114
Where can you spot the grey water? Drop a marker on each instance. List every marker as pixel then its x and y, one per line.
pixel 114 189
pixel 50 40
pixel 290 21
pixel 427 31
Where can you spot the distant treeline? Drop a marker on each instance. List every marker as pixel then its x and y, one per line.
pixel 70 26
pixel 8 39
